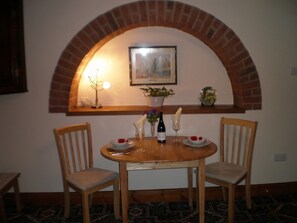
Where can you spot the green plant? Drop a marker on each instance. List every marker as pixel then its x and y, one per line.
pixel 157 92
pixel 152 115
pixel 208 96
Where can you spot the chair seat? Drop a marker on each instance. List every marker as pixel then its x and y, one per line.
pixel 91 177
pixel 226 172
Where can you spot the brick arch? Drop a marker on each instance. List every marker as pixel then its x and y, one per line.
pixel 194 21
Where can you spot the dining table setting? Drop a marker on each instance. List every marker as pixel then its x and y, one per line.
pixel 147 153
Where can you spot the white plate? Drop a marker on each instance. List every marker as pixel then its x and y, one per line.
pixel 117 144
pixel 129 145
pixel 188 143
pixel 197 142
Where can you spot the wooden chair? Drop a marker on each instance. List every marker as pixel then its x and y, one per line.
pixel 74 144
pixel 237 137
pixel 8 181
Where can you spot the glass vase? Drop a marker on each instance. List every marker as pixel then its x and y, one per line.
pixel 153 128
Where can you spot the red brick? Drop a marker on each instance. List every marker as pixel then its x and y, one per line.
pixel 143 13
pixel 206 25
pixel 160 12
pixel 251 84
pixel 97 27
pixel 239 57
pixel 252 99
pixel 177 13
pixel 194 14
pixel 256 91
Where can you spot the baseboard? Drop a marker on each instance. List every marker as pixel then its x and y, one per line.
pixel 167 195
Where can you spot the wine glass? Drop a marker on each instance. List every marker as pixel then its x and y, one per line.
pixel 175 127
pixel 139 133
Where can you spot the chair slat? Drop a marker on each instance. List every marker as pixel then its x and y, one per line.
pixel 239 145
pixel 227 144
pixel 65 154
pixel 232 154
pixel 72 153
pixel 84 149
pixel 79 162
pixel 246 147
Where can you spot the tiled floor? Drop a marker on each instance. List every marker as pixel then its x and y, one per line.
pixel 278 209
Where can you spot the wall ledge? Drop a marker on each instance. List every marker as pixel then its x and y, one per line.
pixel 166 109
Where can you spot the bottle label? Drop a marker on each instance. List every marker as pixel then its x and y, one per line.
pixel 161 136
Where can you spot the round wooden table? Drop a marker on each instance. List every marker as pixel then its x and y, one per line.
pixel 148 154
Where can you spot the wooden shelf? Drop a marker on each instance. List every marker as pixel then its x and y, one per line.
pixel 166 109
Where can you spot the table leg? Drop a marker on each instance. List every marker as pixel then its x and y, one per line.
pixel 17 196
pixel 124 191
pixel 2 210
pixel 190 186
pixel 201 188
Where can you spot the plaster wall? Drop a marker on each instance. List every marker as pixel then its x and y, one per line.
pixel 267 29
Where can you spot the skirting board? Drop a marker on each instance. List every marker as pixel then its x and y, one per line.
pixel 142 196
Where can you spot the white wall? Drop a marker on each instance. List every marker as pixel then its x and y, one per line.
pixel 268 31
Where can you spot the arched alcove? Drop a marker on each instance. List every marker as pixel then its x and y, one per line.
pixel 214 33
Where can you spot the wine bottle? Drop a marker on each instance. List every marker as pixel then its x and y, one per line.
pixel 161 130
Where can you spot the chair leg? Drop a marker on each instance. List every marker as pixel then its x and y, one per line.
pixel 66 202
pixel 197 190
pixel 2 210
pixel 116 199
pixel 90 197
pixel 231 199
pixel 85 207
pixel 248 193
pixel 190 186
pixel 224 191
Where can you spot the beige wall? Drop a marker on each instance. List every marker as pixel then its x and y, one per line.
pixel 266 28
pixel 197 67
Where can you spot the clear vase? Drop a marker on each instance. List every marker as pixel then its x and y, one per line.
pixel 153 128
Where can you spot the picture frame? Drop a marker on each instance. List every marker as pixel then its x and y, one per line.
pixel 153 65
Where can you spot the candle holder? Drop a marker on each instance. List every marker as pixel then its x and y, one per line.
pixel 98 85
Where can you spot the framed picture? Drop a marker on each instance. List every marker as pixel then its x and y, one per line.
pixel 153 65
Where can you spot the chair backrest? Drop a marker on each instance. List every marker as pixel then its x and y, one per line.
pixel 237 137
pixel 74 144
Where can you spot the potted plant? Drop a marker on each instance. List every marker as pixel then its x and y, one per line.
pixel 208 96
pixel 155 95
